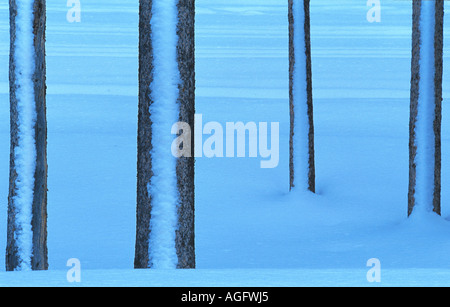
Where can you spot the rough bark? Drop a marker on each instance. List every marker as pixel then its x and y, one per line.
pixel 185 236
pixel 39 259
pixel 415 78
pixel 144 142
pixel 311 162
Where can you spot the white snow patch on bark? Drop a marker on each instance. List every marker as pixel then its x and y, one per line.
pixel 25 152
pixel 164 113
pixel 425 138
pixel 301 120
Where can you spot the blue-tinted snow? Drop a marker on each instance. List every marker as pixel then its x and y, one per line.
pixel 245 217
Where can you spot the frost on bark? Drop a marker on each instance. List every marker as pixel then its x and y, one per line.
pixel 434 124
pixel 297 77
pixel 39 258
pixel 184 233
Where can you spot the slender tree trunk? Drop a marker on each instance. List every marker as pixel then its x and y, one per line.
pixel 157 193
pixel 27 199
pixel 426 107
pixel 302 165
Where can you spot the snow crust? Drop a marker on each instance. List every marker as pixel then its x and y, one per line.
pixel 301 120
pixel 25 152
pixel 164 113
pixel 425 138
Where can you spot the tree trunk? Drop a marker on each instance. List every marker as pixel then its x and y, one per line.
pixel 426 107
pixel 27 199
pixel 302 165
pixel 173 184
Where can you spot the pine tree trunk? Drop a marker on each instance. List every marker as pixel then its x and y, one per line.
pixel 37 204
pixel 184 237
pixel 419 195
pixel 302 165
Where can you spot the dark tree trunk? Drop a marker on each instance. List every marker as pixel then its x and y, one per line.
pixel 144 142
pixel 296 101
pixel 414 145
pixel 39 259
pixel 184 237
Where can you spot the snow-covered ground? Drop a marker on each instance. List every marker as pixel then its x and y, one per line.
pixel 228 278
pixel 249 229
